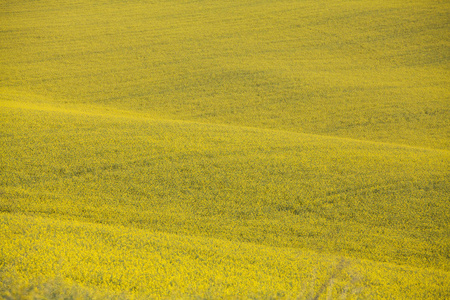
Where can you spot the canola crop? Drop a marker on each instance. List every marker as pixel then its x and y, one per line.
pixel 128 263
pixel 241 185
pixel 368 69
pixel 233 149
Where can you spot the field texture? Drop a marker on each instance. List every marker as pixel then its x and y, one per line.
pixel 224 149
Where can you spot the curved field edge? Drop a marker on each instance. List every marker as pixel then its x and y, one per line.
pixel 16 99
pixel 371 70
pixel 367 200
pixel 132 262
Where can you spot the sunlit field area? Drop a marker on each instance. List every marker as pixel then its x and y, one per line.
pixel 224 149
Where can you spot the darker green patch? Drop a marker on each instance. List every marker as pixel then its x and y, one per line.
pixel 6 209
pixel 288 208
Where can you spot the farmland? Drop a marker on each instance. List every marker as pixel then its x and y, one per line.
pixel 224 149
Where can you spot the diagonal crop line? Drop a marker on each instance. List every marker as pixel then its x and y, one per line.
pixel 125 114
pixel 341 265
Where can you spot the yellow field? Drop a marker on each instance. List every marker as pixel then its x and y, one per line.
pixel 121 261
pixel 224 149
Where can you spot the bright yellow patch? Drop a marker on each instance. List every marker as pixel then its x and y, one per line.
pixel 224 149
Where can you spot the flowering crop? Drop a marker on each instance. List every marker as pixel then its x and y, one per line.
pixel 177 180
pixel 224 149
pixel 129 262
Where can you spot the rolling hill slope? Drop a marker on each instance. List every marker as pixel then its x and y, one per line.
pixel 382 202
pixel 48 257
pixel 363 69
pixel 217 149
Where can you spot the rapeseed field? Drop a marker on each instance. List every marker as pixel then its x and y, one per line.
pixel 224 149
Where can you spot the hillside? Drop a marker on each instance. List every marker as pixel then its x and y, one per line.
pixel 362 69
pixel 250 149
pixel 343 197
pixel 62 259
